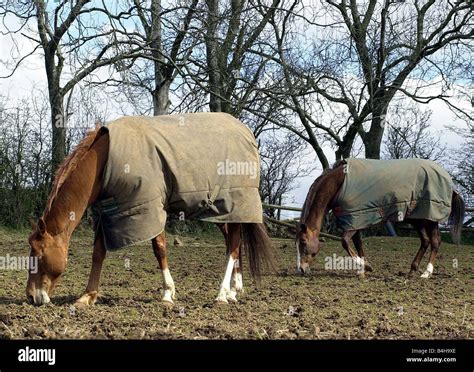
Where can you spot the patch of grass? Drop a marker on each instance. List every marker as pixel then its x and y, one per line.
pixel 9 233
pixel 467 238
pixel 326 304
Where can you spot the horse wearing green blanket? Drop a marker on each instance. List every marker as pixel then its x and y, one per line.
pixel 365 192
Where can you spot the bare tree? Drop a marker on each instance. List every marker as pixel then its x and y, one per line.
pixel 462 167
pixel 163 34
pixel 232 71
pixel 342 80
pixel 409 136
pixel 282 163
pixel 24 159
pixel 14 132
pixel 66 32
pixel 25 149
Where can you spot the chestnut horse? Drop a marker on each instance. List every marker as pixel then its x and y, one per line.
pixel 319 201
pixel 77 186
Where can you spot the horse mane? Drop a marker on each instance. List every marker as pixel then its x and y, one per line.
pixel 314 187
pixel 69 164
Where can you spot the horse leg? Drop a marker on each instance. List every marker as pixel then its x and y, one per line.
pixel 236 280
pixel 357 240
pixel 419 226
pixel 92 289
pixel 346 244
pixel 159 249
pixel 435 241
pixel 232 274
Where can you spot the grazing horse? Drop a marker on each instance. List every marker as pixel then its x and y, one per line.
pixel 363 192
pixel 130 202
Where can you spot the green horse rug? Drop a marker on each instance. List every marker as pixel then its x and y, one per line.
pixel 199 166
pixel 392 190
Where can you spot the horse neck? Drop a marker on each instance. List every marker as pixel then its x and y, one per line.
pixel 322 195
pixel 79 191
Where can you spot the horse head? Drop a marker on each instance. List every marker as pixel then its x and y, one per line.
pixel 50 254
pixel 307 247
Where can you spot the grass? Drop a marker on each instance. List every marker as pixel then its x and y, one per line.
pixel 327 304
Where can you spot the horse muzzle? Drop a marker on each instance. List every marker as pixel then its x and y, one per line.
pixel 38 298
pixel 304 268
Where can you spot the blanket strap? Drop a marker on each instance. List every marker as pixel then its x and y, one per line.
pixel 208 204
pixel 98 209
pixel 106 206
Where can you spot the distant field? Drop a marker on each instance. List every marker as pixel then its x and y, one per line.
pixel 324 305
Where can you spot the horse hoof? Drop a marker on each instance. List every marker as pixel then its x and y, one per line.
pixel 226 295
pixel 167 298
pixel 168 295
pixel 232 296
pixel 80 305
pixel 167 303
pixel 86 300
pixel 221 300
pixel 425 275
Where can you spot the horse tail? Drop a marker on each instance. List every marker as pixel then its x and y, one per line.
pixel 258 248
pixel 456 218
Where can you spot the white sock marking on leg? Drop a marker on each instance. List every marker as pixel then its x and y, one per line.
pixel 430 268
pixel 360 267
pixel 225 286
pixel 428 271
pixel 238 284
pixel 168 286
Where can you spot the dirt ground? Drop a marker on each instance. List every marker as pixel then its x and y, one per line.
pixel 327 304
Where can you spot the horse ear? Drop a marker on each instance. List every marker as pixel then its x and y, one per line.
pixel 303 228
pixel 33 224
pixel 41 226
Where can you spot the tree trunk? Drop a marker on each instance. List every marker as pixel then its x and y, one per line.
pixel 56 101
pixel 321 156
pixel 161 101
pixel 58 122
pixel 344 150
pixel 373 138
pixel 215 104
pixel 372 145
pixel 345 146
pixel 160 94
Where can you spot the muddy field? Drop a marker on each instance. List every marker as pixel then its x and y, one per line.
pixel 328 304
